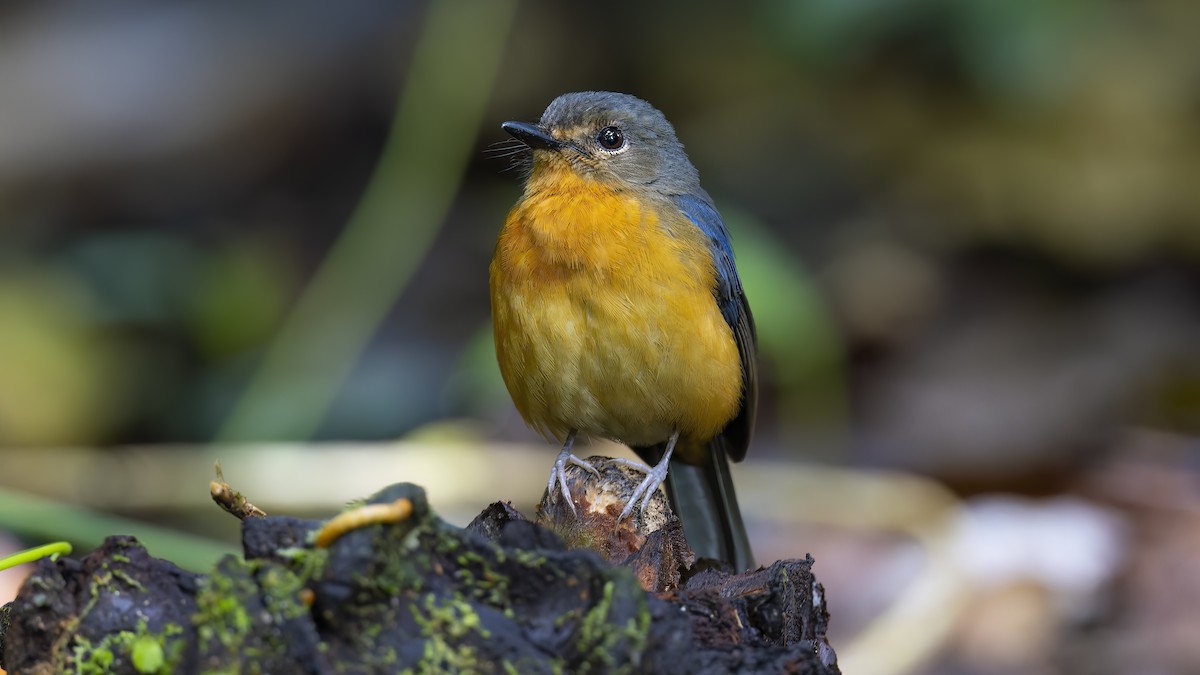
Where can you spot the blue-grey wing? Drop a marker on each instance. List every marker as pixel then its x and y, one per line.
pixel 732 301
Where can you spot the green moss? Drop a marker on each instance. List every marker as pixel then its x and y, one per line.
pixel 600 640
pixel 129 581
pixel 228 627
pixel 446 545
pixel 534 560
pixel 594 629
pixel 401 562
pixel 637 629
pixel 174 644
pixel 89 659
pixel 372 632
pixel 447 624
pixel 148 652
pixel 281 592
pixel 305 563
pixel 485 584
pixel 220 615
pixel 59 651
pixel 147 655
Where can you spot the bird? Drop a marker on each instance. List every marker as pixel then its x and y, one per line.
pixel 618 312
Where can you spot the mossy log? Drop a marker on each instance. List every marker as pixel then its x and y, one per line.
pixel 392 588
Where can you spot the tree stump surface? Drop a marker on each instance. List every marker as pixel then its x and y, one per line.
pixel 393 593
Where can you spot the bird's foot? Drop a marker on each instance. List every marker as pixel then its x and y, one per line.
pixel 558 475
pixel 655 477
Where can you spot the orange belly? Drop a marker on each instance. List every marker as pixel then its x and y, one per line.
pixel 605 320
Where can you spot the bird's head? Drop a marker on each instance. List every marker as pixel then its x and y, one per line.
pixel 610 137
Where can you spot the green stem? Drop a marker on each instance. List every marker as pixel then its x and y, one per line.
pixel 36 553
pixel 40 518
pixel 453 69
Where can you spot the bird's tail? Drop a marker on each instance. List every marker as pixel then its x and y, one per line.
pixel 704 500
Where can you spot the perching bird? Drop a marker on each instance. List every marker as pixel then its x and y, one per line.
pixel 618 311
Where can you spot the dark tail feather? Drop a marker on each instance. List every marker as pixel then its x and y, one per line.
pixel 703 498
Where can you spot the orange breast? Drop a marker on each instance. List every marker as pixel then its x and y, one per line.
pixel 605 319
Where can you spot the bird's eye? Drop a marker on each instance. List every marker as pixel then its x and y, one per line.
pixel 610 138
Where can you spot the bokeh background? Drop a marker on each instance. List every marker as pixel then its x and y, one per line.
pixel 969 229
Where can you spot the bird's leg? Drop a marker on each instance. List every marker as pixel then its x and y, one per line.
pixel 558 474
pixel 654 478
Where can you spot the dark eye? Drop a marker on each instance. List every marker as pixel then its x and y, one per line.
pixel 610 138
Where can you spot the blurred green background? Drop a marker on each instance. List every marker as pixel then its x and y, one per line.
pixel 969 230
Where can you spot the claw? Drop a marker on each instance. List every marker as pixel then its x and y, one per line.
pixel 655 477
pixel 558 474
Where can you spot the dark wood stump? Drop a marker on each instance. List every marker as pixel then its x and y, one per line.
pixel 391 587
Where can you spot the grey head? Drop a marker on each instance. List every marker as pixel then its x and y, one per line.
pixel 611 137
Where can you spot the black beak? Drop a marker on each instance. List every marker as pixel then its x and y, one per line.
pixel 532 135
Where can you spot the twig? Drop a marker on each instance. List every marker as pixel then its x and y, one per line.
pixel 231 500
